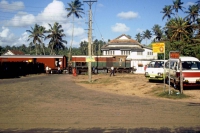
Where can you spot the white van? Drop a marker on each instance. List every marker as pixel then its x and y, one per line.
pixel 190 71
pixel 155 70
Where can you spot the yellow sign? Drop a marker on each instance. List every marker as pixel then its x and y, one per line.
pixel 90 59
pixel 158 47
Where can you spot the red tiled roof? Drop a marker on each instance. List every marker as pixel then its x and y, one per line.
pixel 117 40
pixel 17 52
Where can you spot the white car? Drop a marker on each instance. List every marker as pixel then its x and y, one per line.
pixel 155 70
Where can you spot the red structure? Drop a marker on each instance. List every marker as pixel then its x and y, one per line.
pixel 52 62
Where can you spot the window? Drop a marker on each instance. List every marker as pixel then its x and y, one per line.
pixel 111 52
pixel 188 65
pixel 172 64
pixel 156 64
pixel 125 52
pixel 139 53
pixel 149 53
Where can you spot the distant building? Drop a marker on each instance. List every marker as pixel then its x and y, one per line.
pixel 138 54
pixel 13 52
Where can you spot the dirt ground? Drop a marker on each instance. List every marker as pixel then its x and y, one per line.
pixel 67 103
pixel 133 84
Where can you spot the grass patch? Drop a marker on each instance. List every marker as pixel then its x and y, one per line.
pixel 174 94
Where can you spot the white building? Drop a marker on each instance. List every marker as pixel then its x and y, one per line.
pixel 138 54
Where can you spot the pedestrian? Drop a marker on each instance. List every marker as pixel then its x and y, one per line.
pixel 112 71
pixel 59 71
pixel 47 69
pixel 93 69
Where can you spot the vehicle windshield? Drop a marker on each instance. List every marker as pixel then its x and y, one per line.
pixel 156 64
pixel 190 65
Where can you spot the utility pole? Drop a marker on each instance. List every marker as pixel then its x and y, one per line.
pixel 90 2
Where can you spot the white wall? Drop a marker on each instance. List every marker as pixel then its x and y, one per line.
pixel 117 52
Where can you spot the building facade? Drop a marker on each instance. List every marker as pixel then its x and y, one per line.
pixel 138 54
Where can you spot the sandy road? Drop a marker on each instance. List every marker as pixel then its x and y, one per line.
pixel 55 102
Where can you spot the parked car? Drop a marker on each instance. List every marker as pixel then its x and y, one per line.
pixel 190 71
pixel 155 70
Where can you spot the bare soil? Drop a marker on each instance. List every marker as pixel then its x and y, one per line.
pixel 65 103
pixel 134 84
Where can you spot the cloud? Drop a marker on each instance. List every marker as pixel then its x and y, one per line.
pixel 22 39
pixel 22 19
pixel 100 5
pixel 4 32
pixel 119 27
pixel 77 31
pixel 11 7
pixel 127 15
pixel 54 11
pixel 84 39
pixel 139 30
pixel 7 38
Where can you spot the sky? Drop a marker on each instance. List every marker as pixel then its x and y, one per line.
pixel 111 18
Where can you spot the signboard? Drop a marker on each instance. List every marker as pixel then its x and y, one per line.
pixel 174 55
pixel 90 59
pixel 158 47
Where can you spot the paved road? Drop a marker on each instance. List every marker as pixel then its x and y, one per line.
pixel 54 103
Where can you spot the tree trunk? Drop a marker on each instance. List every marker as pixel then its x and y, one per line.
pixel 70 50
pixel 43 48
pixel 36 48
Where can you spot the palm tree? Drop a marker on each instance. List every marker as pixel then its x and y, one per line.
pixel 83 48
pixel 75 10
pixel 177 5
pixel 35 35
pixel 180 34
pixel 198 3
pixel 167 10
pixel 55 35
pixel 147 35
pixel 193 13
pixel 42 30
pixel 181 29
pixel 157 32
pixel 138 37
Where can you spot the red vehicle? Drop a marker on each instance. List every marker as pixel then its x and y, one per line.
pixel 51 62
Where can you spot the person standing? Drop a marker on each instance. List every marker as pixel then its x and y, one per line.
pixel 112 71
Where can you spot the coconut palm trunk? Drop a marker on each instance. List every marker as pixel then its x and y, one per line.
pixel 43 48
pixel 36 46
pixel 70 49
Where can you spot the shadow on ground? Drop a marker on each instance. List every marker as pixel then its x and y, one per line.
pixel 99 130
